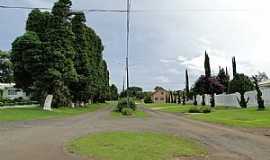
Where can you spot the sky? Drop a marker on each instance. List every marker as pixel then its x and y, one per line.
pixel 168 37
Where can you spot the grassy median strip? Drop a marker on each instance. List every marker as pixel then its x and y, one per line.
pixel 231 116
pixel 36 113
pixel 238 117
pixel 134 146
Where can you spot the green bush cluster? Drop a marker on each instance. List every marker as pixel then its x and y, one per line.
pixel 127 112
pixel 125 106
pixel 148 99
pixel 202 109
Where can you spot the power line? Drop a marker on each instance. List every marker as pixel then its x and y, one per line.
pixel 77 10
pixel 129 9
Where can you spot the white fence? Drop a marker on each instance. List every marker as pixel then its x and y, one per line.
pixel 231 99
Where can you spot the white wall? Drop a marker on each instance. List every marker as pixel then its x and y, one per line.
pixel 231 99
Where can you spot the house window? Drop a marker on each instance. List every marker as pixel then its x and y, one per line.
pixel 156 99
pixel 12 92
pixel 162 93
pixel 162 99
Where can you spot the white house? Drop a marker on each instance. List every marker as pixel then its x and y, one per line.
pixel 8 91
pixel 265 84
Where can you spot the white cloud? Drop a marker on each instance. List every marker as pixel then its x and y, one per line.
pixel 162 79
pixel 174 71
pixel 167 61
pixel 181 58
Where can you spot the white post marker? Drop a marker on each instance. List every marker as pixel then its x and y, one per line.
pixel 48 103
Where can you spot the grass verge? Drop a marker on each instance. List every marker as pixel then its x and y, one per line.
pixel 134 146
pixel 250 118
pixel 36 113
pixel 230 116
pixel 173 108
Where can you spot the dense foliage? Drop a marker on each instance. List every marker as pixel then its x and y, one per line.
pixel 125 106
pixel 113 93
pixel 60 55
pixel 241 84
pixel 208 85
pixel 223 78
pixel 6 68
pixel 134 92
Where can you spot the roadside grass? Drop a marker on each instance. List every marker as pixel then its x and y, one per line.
pixel 230 116
pixel 250 118
pixel 36 113
pixel 136 114
pixel 134 146
pixel 173 108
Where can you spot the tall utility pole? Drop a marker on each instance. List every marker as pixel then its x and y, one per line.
pixel 127 56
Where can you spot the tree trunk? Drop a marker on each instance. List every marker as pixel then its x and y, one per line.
pixel 213 103
pixel 203 100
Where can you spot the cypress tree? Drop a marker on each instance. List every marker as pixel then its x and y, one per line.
pixel 234 66
pixel 207 67
pixel 187 83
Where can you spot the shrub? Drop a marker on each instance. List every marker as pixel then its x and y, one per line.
pixel 194 109
pixel 123 104
pixel 127 111
pixel 197 109
pixel 148 99
pixel 205 109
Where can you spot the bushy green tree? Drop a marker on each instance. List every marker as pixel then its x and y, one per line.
pixel 241 84
pixel 6 68
pixel 113 92
pixel 223 79
pixel 136 92
pixel 60 55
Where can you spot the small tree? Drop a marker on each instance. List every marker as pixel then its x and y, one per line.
pixel 259 94
pixel 184 98
pixel 200 87
pixel 223 78
pixel 194 93
pixel 178 97
pixel 241 84
pixel 214 87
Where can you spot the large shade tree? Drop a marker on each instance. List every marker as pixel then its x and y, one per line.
pixel 60 55
pixel 241 84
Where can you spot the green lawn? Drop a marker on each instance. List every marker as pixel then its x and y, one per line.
pixel 136 114
pixel 35 113
pixel 174 108
pixel 237 117
pixel 134 146
pixel 222 115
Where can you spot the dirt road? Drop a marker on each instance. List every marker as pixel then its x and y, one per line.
pixel 44 140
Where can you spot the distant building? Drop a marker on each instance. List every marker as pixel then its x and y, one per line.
pixel 8 91
pixel 265 84
pixel 159 95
